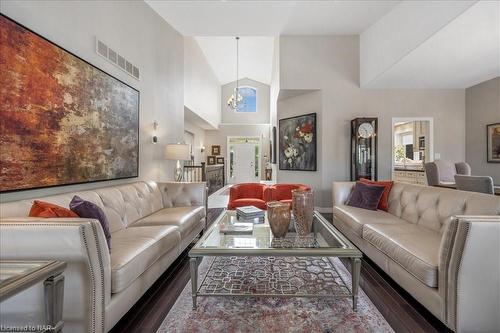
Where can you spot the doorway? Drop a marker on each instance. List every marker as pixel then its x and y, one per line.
pixel 244 156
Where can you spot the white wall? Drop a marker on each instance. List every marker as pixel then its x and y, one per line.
pixel 402 30
pixel 133 29
pixel 219 137
pixel 202 90
pixel 331 63
pixel 199 141
pixel 482 107
pixel 229 116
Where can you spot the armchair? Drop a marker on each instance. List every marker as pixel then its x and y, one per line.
pixel 283 192
pixel 248 194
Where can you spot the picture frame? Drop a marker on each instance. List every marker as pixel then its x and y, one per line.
pixel 220 160
pixel 298 143
pixel 493 143
pixel 51 155
pixel 210 160
pixel 216 150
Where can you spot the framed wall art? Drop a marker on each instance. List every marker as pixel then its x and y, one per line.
pixel 297 143
pixel 210 160
pixel 63 120
pixel 216 150
pixel 493 143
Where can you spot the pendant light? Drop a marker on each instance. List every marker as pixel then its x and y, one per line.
pixel 236 100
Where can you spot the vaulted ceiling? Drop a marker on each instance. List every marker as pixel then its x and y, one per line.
pixel 271 18
pixel 461 49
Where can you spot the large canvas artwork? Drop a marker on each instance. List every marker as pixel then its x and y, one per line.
pixel 62 120
pixel 297 143
pixel 493 142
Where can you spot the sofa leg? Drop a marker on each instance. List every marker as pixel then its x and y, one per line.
pixel 355 272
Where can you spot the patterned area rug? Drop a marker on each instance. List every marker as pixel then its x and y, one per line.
pixel 273 314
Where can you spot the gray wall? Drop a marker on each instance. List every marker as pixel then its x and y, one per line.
pixel 136 31
pixel 331 64
pixel 482 107
pixel 199 141
pixel 263 104
pixel 295 106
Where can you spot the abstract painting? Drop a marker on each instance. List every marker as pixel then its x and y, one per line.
pixel 493 142
pixel 297 143
pixel 62 120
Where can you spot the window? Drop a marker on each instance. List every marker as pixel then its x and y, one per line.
pixel 249 104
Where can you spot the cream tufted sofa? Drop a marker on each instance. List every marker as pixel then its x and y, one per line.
pixel 151 224
pixel 441 245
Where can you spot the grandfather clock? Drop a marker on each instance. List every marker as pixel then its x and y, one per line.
pixel 364 148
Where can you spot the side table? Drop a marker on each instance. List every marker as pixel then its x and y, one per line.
pixel 19 275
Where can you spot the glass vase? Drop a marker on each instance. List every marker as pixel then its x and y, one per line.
pixel 303 211
pixel 278 215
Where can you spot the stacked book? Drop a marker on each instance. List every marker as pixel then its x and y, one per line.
pixel 250 214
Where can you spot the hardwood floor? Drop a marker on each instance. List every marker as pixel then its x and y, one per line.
pixel 403 313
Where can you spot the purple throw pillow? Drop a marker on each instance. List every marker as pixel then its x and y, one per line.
pixel 365 196
pixel 90 210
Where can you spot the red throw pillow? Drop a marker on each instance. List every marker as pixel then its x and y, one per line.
pixel 46 209
pixel 384 201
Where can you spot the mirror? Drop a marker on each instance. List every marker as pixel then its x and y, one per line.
pixel 412 144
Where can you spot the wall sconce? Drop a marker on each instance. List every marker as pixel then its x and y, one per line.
pixel 202 149
pixel 155 137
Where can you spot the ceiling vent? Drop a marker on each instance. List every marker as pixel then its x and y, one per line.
pixel 116 59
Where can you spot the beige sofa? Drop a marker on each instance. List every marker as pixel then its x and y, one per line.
pixel 151 224
pixel 440 245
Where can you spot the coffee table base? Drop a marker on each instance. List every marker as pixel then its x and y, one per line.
pixel 273 277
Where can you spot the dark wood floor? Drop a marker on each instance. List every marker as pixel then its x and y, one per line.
pixel 400 310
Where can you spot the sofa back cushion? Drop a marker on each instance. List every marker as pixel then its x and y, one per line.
pixel 123 205
pixel 433 207
pixel 247 191
pixel 284 191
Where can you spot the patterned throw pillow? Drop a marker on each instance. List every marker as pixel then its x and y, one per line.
pixel 90 210
pixel 47 210
pixel 366 196
pixel 384 201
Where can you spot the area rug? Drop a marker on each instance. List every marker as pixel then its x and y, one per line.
pixel 266 314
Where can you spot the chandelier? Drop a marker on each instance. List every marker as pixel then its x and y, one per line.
pixel 236 100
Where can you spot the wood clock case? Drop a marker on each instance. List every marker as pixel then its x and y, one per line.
pixel 359 169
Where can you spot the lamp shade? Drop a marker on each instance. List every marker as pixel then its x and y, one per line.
pixel 177 151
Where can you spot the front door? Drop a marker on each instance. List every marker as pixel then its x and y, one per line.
pixel 244 170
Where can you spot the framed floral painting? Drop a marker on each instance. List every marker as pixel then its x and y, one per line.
pixel 493 143
pixel 297 143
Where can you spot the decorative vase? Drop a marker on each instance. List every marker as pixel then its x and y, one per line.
pixel 302 206
pixel 278 215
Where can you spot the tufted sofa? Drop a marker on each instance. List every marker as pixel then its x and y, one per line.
pixel 151 224
pixel 440 245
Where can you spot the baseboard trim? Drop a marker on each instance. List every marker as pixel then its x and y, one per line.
pixel 324 209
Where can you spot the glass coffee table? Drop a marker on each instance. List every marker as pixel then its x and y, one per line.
pixel 257 264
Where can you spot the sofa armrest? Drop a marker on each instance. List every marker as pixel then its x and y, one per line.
pixel 183 194
pixel 469 273
pixel 78 242
pixel 341 191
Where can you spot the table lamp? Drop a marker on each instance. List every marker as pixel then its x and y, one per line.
pixel 177 152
